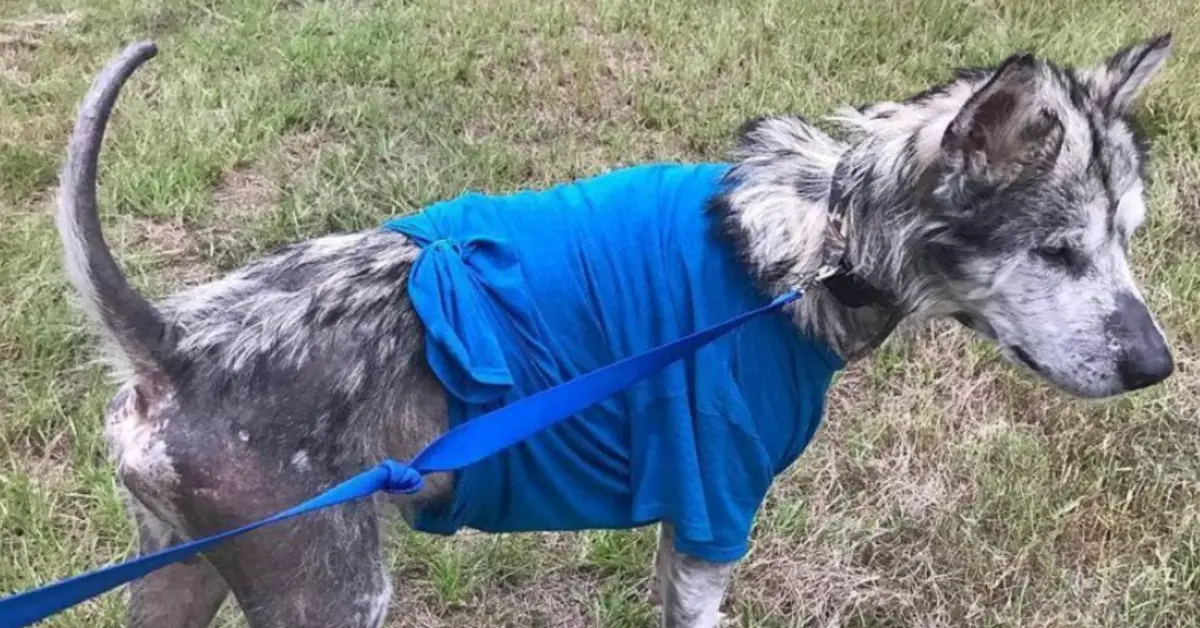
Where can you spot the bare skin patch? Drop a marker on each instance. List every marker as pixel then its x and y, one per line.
pixel 135 440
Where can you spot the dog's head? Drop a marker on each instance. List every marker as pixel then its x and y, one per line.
pixel 1038 192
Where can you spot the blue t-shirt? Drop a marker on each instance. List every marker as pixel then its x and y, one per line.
pixel 523 291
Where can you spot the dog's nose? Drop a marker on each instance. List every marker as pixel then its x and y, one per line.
pixel 1145 371
pixel 1145 359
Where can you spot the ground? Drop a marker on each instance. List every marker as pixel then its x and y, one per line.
pixel 946 488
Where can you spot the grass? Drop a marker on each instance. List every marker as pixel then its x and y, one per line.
pixel 945 489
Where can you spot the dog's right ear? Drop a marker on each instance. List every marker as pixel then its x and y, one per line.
pixel 1003 130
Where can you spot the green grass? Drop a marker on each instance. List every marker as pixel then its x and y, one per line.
pixel 946 489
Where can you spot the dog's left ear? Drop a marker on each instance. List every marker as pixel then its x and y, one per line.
pixel 1119 81
pixel 1003 130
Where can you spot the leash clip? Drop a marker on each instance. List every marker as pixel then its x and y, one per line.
pixel 828 271
pixel 824 273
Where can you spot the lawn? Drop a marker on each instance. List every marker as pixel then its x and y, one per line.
pixel 946 488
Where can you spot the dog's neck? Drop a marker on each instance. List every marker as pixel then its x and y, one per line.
pixel 777 211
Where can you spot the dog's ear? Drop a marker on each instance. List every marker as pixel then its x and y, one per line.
pixel 1002 131
pixel 1119 81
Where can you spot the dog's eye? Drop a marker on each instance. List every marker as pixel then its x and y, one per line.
pixel 1056 254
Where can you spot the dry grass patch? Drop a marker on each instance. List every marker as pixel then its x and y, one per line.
pixel 20 37
pixel 254 191
pixel 244 193
pixel 172 251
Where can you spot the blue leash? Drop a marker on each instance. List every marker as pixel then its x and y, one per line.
pixel 461 447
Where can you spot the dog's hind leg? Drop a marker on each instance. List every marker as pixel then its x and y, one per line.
pixel 691 589
pixel 183 595
pixel 323 570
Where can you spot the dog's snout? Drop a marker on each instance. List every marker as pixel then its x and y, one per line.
pixel 1145 359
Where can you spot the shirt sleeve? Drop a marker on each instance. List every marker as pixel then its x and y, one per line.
pixel 736 472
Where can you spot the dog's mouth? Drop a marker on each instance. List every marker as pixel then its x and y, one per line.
pixel 983 328
pixel 1026 359
pixel 975 323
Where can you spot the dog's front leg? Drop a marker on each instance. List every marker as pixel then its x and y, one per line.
pixel 691 589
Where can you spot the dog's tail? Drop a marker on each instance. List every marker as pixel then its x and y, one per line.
pixel 139 341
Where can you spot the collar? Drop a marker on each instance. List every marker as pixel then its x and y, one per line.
pixel 837 273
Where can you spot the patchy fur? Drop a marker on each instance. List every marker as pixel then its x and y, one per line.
pixel 1006 197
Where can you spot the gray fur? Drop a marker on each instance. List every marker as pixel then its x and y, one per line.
pixel 691 589
pixel 1006 198
pixel 137 337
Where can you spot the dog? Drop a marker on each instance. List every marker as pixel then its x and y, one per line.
pixel 1005 198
